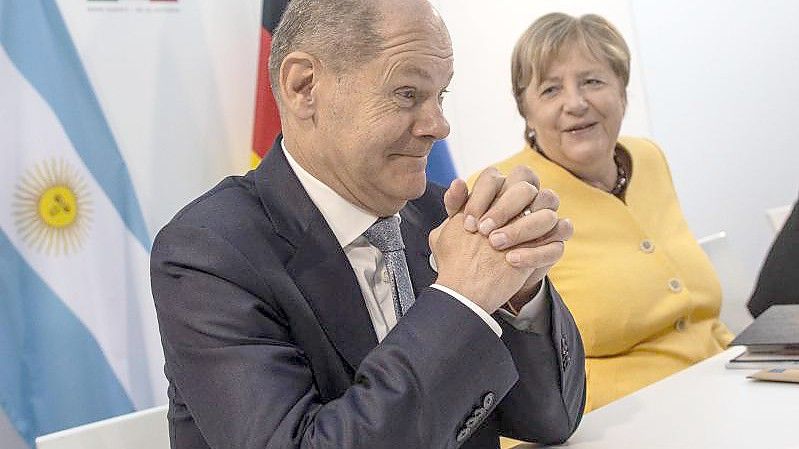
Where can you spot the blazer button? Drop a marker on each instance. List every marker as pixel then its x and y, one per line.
pixel 675 285
pixel 647 246
pixel 488 400
pixel 681 325
pixel 462 435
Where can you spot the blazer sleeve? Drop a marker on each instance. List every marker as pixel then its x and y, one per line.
pixel 247 383
pixel 778 282
pixel 546 404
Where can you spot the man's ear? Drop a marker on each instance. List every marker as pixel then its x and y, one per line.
pixel 299 74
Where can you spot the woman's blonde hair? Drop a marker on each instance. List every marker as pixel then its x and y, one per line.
pixel 541 43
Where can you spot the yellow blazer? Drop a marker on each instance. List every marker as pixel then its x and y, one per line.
pixel 645 296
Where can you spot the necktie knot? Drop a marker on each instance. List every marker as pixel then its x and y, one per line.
pixel 385 235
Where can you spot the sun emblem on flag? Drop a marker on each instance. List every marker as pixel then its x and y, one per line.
pixel 52 208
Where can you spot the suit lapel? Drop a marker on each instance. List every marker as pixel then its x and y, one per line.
pixel 324 276
pixel 318 266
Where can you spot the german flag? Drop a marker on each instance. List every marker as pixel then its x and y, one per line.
pixel 267 120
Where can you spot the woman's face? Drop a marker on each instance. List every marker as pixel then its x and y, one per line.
pixel 576 110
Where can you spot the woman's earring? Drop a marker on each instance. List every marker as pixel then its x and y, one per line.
pixel 531 137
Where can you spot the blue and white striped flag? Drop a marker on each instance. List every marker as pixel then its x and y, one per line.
pixel 78 335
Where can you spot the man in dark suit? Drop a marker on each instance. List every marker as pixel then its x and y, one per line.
pixel 292 314
pixel 778 282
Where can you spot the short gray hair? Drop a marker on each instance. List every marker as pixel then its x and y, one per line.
pixel 341 33
pixel 538 47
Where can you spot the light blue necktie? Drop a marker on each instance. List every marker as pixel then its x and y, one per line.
pixel 385 235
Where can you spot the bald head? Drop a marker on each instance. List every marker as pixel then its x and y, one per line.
pixel 342 33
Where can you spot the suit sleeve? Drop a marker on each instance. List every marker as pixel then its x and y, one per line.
pixel 546 404
pixel 233 361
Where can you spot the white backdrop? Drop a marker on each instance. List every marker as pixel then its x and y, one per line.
pixel 177 83
pixel 712 82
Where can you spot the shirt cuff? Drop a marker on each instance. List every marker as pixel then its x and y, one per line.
pixel 492 323
pixel 534 316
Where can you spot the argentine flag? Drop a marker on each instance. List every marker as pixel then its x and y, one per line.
pixel 78 334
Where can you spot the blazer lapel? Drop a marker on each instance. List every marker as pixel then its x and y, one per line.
pixel 324 276
pixel 318 266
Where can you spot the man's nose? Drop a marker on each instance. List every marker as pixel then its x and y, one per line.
pixel 431 122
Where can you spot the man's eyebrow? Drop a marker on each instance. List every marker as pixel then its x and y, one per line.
pixel 412 70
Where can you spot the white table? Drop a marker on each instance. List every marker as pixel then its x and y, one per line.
pixel 705 406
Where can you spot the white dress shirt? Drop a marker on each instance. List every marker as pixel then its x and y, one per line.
pixel 348 222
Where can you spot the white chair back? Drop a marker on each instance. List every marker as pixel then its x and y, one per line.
pixel 730 270
pixel 778 215
pixel 145 429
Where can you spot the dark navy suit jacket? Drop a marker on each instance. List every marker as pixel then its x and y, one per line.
pixel 268 342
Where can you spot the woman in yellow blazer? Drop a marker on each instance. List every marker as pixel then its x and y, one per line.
pixel 644 294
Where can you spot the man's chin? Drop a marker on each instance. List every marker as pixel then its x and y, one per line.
pixel 412 192
pixel 409 186
pixel 418 186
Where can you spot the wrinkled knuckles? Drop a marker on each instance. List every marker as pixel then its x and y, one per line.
pixel 547 199
pixel 553 252
pixel 512 203
pixel 545 219
pixel 566 229
pixel 522 173
pixel 529 190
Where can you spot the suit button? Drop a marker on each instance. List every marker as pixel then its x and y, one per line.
pixel 472 422
pixel 647 246
pixel 462 435
pixel 681 324
pixel 675 285
pixel 479 413
pixel 488 400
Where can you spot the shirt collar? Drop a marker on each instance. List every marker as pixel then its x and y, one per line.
pixel 346 220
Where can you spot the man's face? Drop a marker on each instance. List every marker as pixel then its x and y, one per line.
pixel 380 120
